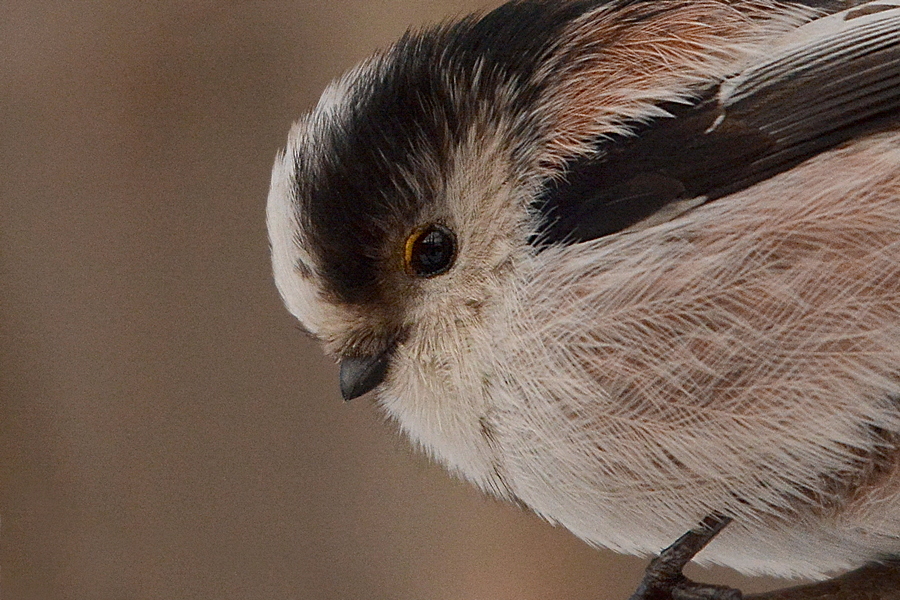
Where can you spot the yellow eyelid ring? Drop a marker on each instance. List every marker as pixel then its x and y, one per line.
pixel 429 251
pixel 408 248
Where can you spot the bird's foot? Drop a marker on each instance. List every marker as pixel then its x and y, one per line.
pixel 664 580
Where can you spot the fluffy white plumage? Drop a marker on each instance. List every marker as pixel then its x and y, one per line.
pixel 740 356
pixel 745 357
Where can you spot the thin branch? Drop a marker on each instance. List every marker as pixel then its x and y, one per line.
pixel 872 582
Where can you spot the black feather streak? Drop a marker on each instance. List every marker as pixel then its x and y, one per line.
pixel 782 115
pixel 405 117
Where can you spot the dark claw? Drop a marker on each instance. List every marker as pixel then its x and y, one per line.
pixel 664 580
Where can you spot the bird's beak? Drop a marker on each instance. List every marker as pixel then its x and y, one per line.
pixel 361 374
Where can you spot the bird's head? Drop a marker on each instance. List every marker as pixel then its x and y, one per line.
pixel 407 206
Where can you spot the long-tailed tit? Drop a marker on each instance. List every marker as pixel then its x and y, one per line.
pixel 628 263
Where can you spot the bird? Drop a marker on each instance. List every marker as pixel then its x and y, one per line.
pixel 624 263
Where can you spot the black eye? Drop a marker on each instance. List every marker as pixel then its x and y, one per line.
pixel 430 251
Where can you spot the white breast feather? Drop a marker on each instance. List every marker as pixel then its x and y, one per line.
pixel 726 359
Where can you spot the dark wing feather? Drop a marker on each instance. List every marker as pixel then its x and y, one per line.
pixel 840 83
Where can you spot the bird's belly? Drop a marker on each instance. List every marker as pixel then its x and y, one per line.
pixel 743 358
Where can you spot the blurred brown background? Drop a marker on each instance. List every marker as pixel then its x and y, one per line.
pixel 166 430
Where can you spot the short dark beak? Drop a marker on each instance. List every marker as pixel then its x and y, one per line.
pixel 361 374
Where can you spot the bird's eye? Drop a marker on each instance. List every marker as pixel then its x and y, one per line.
pixel 430 251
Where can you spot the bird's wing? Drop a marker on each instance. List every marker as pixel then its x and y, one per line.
pixel 835 79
